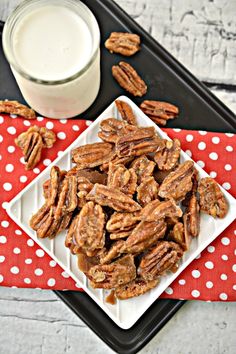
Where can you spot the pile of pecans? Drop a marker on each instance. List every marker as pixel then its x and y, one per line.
pixel 129 206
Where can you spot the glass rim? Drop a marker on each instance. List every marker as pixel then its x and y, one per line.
pixel 10 23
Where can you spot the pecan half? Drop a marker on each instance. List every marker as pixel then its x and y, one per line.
pixel 167 158
pixel 125 160
pixel 212 200
pixel 178 235
pixel 67 201
pixel 54 185
pixel 128 78
pixel 122 222
pixel 116 200
pixel 108 276
pixel 193 216
pixel 89 230
pixel 122 179
pixel 70 237
pixel 126 112
pixel 164 209
pixel 143 167
pixel 159 260
pixel 112 253
pixel 14 107
pixel 140 142
pixel 111 129
pixel 147 191
pixel 92 155
pixel 124 43
pixel 159 112
pixel 31 144
pixel 178 183
pixel 136 287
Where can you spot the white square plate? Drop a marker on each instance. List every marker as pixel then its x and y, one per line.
pixel 125 313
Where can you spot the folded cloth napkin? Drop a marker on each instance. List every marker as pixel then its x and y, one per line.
pixel 212 276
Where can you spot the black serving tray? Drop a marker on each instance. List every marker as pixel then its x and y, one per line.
pixel 167 80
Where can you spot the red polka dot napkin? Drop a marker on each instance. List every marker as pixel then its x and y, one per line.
pixel 212 276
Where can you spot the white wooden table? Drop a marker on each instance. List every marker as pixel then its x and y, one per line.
pixel 202 35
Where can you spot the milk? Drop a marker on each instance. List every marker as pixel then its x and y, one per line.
pixel 52 43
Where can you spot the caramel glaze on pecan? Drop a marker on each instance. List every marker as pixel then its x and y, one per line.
pixel 92 155
pixel 159 112
pixel 120 225
pixel 124 43
pixel 136 287
pixel 112 253
pixel 128 78
pixel 126 112
pixel 122 179
pixel 125 160
pixel 143 167
pixel 14 107
pixel 178 235
pixel 147 191
pixel 168 158
pixel 67 201
pixel 111 129
pixel 70 237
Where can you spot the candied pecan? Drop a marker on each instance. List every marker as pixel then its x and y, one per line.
pixel 85 263
pixel 144 235
pixel 143 167
pixel 122 222
pixel 116 161
pixel 126 112
pixel 48 137
pixel 40 215
pixel 159 112
pixel 92 155
pixel 54 184
pixel 122 179
pixel 56 226
pixel 116 200
pixel 128 78
pixel 159 260
pixel 70 237
pixel 148 209
pixel 193 216
pixel 84 187
pixel 136 287
pixel 112 253
pixel 147 191
pixel 111 129
pixel 163 209
pixel 108 276
pixel 178 183
pixel 139 142
pixel 187 236
pixel 31 145
pixel 67 200
pixel 167 158
pixel 14 107
pixel 89 232
pixel 212 200
pixel 177 234
pixel 123 43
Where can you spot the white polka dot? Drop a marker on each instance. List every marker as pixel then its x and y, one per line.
pixel 189 137
pixel 224 257
pixel 234 268
pixel 223 277
pixel 26 123
pixel 13 116
pixel 196 273
pixel 60 153
pixel 14 287
pixel 235 232
pixel 27 280
pixel 169 290
pixel 229 148
pixel 88 123
pixel 225 241
pixel 38 272
pixel 234 287
pixel 65 274
pixel 1 278
pixel 211 249
pixel 188 152
pixel 63 121
pixel 228 167
pixel 40 253
pixel 61 135
pixel 40 119
pixel 4 205
pixel 46 162
pixel 52 263
pixel 11 130
pixel 28 261
pixel 2 259
pixel 78 286
pixel 195 293
pixel 182 281
pixel 75 128
pixel 229 135
pixel 202 132
pixel 51 282
pixel 9 167
pixel 201 163
pixel 213 174
pixel 209 265
pixel 199 256
pixel 1 119
pixel 23 179
pixel 209 284
pixel 11 149
pixel 1 138
pixel 3 239
pixel 213 156
pixel 18 232
pixel 30 242
pixel 215 140
pixel 36 170
pixel 16 250
pixel 14 270
pixel 49 125
pixel 177 130
pixel 226 185
pixel 223 296
pixel 5 223
pixel 22 160
pixel 201 145
pixel 7 186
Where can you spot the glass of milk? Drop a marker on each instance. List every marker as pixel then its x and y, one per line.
pixel 53 50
